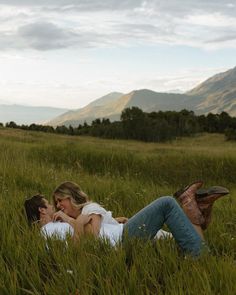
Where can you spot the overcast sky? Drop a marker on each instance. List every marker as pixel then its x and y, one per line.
pixel 66 53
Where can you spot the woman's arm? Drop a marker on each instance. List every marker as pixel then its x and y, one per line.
pixel 94 225
pixel 83 224
pixel 79 225
pixel 87 225
pixel 61 216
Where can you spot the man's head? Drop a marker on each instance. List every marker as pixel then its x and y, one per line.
pixel 38 208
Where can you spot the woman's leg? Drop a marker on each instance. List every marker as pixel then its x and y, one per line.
pixel 150 219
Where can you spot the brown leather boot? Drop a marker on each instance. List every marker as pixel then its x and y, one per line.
pixel 186 197
pixel 206 210
pixel 212 191
pixel 205 200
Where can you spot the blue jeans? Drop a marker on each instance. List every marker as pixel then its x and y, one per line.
pixel 150 219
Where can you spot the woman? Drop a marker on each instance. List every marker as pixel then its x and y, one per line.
pixel 73 204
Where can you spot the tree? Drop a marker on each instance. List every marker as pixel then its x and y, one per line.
pixel 212 122
pixel 133 122
pixel 225 121
pixel 96 122
pixel 11 124
pixel 62 129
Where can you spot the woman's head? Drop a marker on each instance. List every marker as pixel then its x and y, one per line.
pixel 69 193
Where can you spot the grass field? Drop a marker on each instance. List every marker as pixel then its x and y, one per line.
pixel 123 176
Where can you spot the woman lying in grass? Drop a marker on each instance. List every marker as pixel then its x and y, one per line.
pixel 186 226
pixel 40 211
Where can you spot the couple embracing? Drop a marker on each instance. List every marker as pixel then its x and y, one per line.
pixel 77 216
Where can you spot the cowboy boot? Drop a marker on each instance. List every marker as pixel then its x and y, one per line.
pixel 186 197
pixel 213 190
pixel 205 199
pixel 206 210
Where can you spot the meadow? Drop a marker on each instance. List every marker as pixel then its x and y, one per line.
pixel 123 176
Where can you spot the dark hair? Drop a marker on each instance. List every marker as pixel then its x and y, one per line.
pixel 32 206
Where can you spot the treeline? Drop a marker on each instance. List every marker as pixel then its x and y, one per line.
pixel 149 127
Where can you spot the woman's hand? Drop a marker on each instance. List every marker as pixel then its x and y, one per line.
pixel 121 219
pixel 61 216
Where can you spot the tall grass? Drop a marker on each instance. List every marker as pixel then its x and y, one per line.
pixel 124 176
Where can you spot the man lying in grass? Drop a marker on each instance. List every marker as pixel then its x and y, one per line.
pixel 87 217
pixel 40 211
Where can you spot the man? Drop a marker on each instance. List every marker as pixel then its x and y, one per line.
pixel 40 211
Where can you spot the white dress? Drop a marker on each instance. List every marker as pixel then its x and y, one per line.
pixel 110 228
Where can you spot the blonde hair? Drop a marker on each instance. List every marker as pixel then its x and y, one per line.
pixel 72 191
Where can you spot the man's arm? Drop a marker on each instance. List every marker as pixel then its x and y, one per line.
pixel 121 219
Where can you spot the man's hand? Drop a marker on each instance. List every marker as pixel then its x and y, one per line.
pixel 121 219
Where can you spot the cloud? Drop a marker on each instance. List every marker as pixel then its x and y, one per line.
pixel 85 5
pixel 181 80
pixel 50 24
pixel 40 36
pixel 224 37
pixel 176 7
pixel 46 36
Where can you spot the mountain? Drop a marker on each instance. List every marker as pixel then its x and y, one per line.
pixel 106 99
pixel 111 107
pixel 21 114
pixel 217 94
pixel 101 107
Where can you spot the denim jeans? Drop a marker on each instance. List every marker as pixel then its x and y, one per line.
pixel 165 210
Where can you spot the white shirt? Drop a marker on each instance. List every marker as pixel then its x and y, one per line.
pixel 59 230
pixel 110 228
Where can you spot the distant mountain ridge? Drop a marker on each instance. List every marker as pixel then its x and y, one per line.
pixel 145 99
pixel 101 107
pixel 21 114
pixel 215 95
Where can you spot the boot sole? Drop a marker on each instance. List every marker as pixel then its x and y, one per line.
pixel 211 191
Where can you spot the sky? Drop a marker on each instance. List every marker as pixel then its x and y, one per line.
pixel 67 53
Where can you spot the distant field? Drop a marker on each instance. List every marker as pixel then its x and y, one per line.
pixel 123 176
